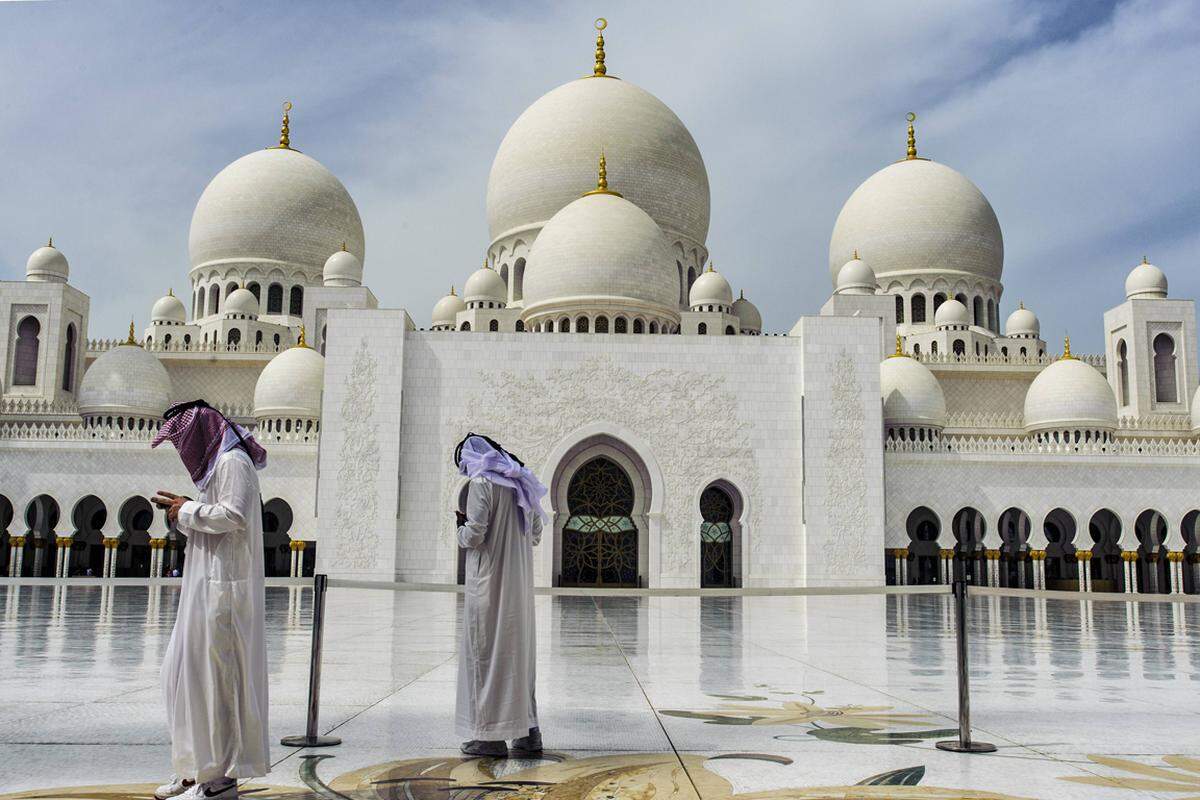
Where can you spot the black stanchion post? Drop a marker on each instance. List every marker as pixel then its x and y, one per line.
pixel 963 744
pixel 310 737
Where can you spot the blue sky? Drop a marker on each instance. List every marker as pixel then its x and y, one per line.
pixel 1079 121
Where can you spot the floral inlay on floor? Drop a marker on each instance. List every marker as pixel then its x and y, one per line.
pixel 640 776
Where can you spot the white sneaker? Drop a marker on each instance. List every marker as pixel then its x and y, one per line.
pixel 176 787
pixel 213 790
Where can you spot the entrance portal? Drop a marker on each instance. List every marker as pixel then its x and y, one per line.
pixel 600 538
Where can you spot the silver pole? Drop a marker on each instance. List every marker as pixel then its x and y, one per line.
pixel 310 738
pixel 964 743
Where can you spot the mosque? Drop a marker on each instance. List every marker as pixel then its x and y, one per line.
pixel 900 435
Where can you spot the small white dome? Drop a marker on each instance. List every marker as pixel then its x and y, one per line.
pixel 952 312
pixel 342 269
pixel 125 381
pixel 911 393
pixel 241 302
pixel 749 319
pixel 602 253
pixel 856 277
pixel 1146 282
pixel 1022 322
pixel 1196 411
pixel 47 264
pixel 168 308
pixel 290 385
pixel 1069 395
pixel 445 311
pixel 485 285
pixel 710 288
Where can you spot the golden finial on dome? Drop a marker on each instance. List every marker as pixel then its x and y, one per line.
pixel 452 294
pixel 1021 304
pixel 599 70
pixel 486 265
pixel 856 258
pixel 911 153
pixel 1066 356
pixel 1144 261
pixel 301 342
pixel 131 340
pixel 50 243
pixel 171 292
pixel 899 348
pixel 602 180
pixel 285 140
pixel 343 245
pixel 741 294
pixel 710 266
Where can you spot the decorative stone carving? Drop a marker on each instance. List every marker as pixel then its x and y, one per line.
pixel 357 510
pixel 531 413
pixel 844 548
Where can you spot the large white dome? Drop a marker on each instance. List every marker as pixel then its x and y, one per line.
pixel 549 156
pixel 445 311
pixel 485 285
pixel 125 381
pixel 602 253
pixel 911 393
pixel 711 288
pixel 919 218
pixel 274 205
pixel 290 385
pixel 1070 395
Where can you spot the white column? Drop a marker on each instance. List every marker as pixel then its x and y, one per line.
pixel 1084 557
pixel 1128 557
pixel 20 557
pixel 902 567
pixel 108 559
pixel 12 558
pixel 295 560
pixel 39 557
pixel 1039 568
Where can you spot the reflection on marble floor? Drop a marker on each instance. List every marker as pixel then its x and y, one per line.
pixel 762 697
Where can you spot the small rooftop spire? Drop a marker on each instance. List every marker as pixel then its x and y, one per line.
pixel 486 265
pixel 1066 356
pixel 911 153
pixel 1021 304
pixel 285 140
pixel 856 258
pixel 899 348
pixel 301 342
pixel 171 292
pixel 1144 261
pixel 602 180
pixel 50 243
pixel 452 294
pixel 710 266
pixel 343 245
pixel 131 340
pixel 741 294
pixel 599 70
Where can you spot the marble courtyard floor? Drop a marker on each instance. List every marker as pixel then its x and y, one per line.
pixel 640 697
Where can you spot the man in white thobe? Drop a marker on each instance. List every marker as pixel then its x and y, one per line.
pixel 498 652
pixel 214 673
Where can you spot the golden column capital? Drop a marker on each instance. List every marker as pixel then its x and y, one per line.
pixel 1175 556
pixel 298 544
pixel 1037 555
pixel 993 555
pixel 1129 555
pixel 17 541
pixel 1083 555
pixel 902 552
pixel 65 541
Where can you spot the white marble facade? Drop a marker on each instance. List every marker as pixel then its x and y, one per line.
pixel 901 434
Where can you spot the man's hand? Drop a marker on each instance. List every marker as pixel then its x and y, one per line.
pixel 460 518
pixel 171 503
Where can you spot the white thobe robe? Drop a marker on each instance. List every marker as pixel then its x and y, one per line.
pixel 214 674
pixel 498 650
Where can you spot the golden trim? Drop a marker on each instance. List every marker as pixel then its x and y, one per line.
pixel 301 342
pixel 285 138
pixel 602 180
pixel 131 340
pixel 899 348
pixel 599 70
pixel 1066 356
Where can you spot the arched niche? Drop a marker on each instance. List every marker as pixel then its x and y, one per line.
pixel 1106 567
pixel 923 528
pixel 277 523
pixel 1062 571
pixel 722 510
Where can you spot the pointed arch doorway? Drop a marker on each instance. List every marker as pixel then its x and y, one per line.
pixel 601 498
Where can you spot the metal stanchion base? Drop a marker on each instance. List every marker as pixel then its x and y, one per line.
pixel 311 741
pixel 955 746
